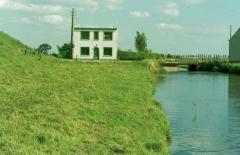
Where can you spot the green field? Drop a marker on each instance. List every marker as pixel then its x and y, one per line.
pixel 58 106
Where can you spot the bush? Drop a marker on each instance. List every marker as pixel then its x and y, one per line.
pixel 234 69
pixel 209 66
pixel 137 56
pixel 225 68
pixel 151 55
pixel 129 55
pixel 65 51
pixel 192 67
pixel 54 55
pixel 217 66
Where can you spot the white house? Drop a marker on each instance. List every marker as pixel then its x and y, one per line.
pixel 95 43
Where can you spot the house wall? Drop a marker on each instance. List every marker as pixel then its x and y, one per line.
pixel 234 48
pixel 101 43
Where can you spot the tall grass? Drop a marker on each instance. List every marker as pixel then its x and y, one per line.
pixel 155 66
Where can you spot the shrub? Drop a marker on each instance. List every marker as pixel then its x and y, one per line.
pixel 137 56
pixel 234 69
pixel 224 67
pixel 209 66
pixel 151 55
pixel 65 51
pixel 217 66
pixel 192 67
pixel 55 55
pixel 129 55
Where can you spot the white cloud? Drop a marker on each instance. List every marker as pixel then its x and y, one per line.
pixel 194 2
pixel 91 5
pixel 139 14
pixel 167 26
pixel 51 7
pixel 12 5
pixel 2 3
pixel 170 9
pixel 27 20
pixel 52 19
pixel 198 30
pixel 114 4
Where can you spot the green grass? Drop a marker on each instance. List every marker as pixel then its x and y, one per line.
pixel 57 106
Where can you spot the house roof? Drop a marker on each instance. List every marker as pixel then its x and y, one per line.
pixel 236 34
pixel 95 28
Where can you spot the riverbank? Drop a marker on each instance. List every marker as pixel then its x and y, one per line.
pixel 217 66
pixel 68 107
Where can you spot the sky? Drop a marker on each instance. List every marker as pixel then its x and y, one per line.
pixel 171 26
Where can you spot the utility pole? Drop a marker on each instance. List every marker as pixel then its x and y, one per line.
pixel 72 27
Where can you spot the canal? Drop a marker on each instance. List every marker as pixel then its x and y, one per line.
pixel 204 112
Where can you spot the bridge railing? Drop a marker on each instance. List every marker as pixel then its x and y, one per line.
pixel 197 56
pixel 175 60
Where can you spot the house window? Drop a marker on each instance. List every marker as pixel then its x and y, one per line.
pixel 108 36
pixel 85 35
pixel 107 51
pixel 85 51
pixel 96 36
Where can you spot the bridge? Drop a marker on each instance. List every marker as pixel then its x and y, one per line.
pixel 172 66
pixel 175 64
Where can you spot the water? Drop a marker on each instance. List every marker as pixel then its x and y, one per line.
pixel 204 112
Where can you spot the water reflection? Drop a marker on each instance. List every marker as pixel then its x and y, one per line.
pixel 234 112
pixel 204 112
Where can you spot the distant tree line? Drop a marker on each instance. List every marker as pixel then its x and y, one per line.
pixel 142 52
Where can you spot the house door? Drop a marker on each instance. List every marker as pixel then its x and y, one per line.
pixel 96 53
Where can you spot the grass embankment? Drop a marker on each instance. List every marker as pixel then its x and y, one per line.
pixel 68 107
pixel 218 66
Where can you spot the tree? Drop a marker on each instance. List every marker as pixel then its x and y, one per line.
pixel 141 42
pixel 44 49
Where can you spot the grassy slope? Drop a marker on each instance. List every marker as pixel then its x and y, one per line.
pixel 68 107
